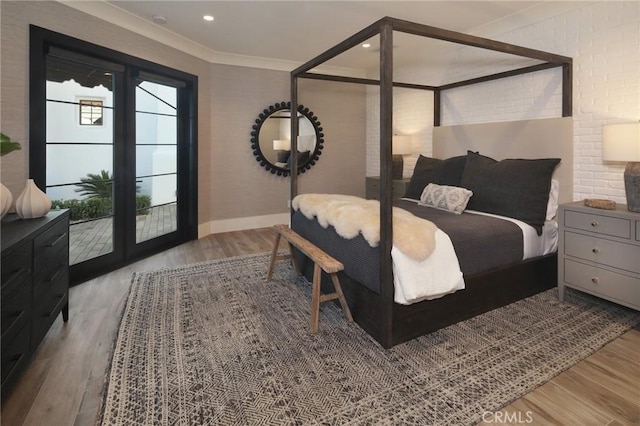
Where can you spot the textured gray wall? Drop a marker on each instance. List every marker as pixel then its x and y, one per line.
pixel 231 183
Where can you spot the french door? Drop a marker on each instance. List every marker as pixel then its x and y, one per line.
pixel 112 139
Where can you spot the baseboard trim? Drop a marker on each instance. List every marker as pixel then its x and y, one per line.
pixel 241 223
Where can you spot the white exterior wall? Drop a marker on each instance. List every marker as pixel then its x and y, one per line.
pixel 70 163
pixel 604 41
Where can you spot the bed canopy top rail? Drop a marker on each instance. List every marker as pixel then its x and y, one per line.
pixel 475 41
pixel 428 32
pixel 369 81
pixel 385 28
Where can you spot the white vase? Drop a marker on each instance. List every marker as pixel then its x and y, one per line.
pixel 32 202
pixel 6 198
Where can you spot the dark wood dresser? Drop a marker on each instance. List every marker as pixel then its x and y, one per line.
pixel 35 286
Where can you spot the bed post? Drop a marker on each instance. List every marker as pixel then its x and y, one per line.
pixel 567 89
pixel 437 115
pixel 386 183
pixel 294 140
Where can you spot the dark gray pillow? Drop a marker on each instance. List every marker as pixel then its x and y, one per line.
pixel 517 188
pixel 432 170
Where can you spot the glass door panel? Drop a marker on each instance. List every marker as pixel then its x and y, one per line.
pixel 156 160
pixel 113 139
pixel 80 153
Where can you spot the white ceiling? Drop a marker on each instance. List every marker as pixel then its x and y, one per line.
pixel 284 34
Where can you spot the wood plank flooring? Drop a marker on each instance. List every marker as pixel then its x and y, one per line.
pixel 63 383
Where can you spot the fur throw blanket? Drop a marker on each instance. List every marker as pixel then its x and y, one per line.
pixel 351 215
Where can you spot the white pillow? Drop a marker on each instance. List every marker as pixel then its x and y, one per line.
pixel 552 205
pixel 450 198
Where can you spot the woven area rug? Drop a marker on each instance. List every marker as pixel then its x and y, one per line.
pixel 213 343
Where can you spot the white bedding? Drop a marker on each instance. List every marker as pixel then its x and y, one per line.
pixel 534 244
pixel 440 273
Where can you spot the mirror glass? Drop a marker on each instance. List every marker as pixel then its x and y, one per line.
pixel 271 139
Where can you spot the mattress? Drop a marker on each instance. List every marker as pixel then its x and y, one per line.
pixel 483 242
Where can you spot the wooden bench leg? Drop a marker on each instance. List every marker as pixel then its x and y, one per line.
pixel 343 301
pixel 315 298
pixel 293 260
pixel 322 262
pixel 274 256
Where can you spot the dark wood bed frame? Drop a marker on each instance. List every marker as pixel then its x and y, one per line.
pixel 390 323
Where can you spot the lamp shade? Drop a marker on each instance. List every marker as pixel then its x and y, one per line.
pixel 401 145
pixel 282 145
pixel 621 142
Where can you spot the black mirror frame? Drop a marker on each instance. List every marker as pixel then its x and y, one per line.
pixel 255 144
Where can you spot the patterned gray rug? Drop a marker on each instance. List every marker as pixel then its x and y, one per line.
pixel 214 344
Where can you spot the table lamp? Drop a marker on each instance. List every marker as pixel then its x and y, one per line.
pixel 621 142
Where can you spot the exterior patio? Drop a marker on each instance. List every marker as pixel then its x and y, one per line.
pixel 95 238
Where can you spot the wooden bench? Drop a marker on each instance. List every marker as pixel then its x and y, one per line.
pixel 322 262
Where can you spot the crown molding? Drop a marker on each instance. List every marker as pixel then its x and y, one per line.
pixel 530 16
pixel 120 17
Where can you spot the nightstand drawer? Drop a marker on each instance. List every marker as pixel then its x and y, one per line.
pixel 606 225
pixel 373 188
pixel 599 250
pixel 602 282
pixel 637 230
pixel 399 187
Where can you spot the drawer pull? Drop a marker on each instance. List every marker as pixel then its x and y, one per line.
pixel 17 319
pixel 57 240
pixel 595 280
pixel 18 272
pixel 56 308
pixel 595 250
pixel 594 223
pixel 54 276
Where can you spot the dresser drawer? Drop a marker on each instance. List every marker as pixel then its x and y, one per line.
pixel 15 355
pixel 602 282
pixel 637 230
pixel 16 312
pixel 599 250
pixel 49 243
pixel 51 281
pixel 16 268
pixel 47 308
pixel 606 225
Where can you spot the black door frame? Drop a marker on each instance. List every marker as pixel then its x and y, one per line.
pixel 125 249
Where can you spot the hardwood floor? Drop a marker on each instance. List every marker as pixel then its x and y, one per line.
pixel 63 383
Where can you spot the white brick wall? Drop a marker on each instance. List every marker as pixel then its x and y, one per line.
pixel 412 116
pixel 604 41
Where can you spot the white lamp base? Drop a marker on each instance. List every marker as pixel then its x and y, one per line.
pixel 632 185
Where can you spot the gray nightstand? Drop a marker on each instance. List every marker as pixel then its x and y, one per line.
pixel 373 187
pixel 599 252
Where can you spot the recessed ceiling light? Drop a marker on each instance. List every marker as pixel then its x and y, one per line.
pixel 159 19
pixel 366 45
pixel 208 18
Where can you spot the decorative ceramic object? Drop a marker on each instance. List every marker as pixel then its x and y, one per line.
pixel 5 199
pixel 32 202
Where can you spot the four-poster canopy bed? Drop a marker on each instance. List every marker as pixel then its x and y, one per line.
pixel 373 306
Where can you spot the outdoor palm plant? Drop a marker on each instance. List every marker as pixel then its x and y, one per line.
pixel 96 186
pixel 98 190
